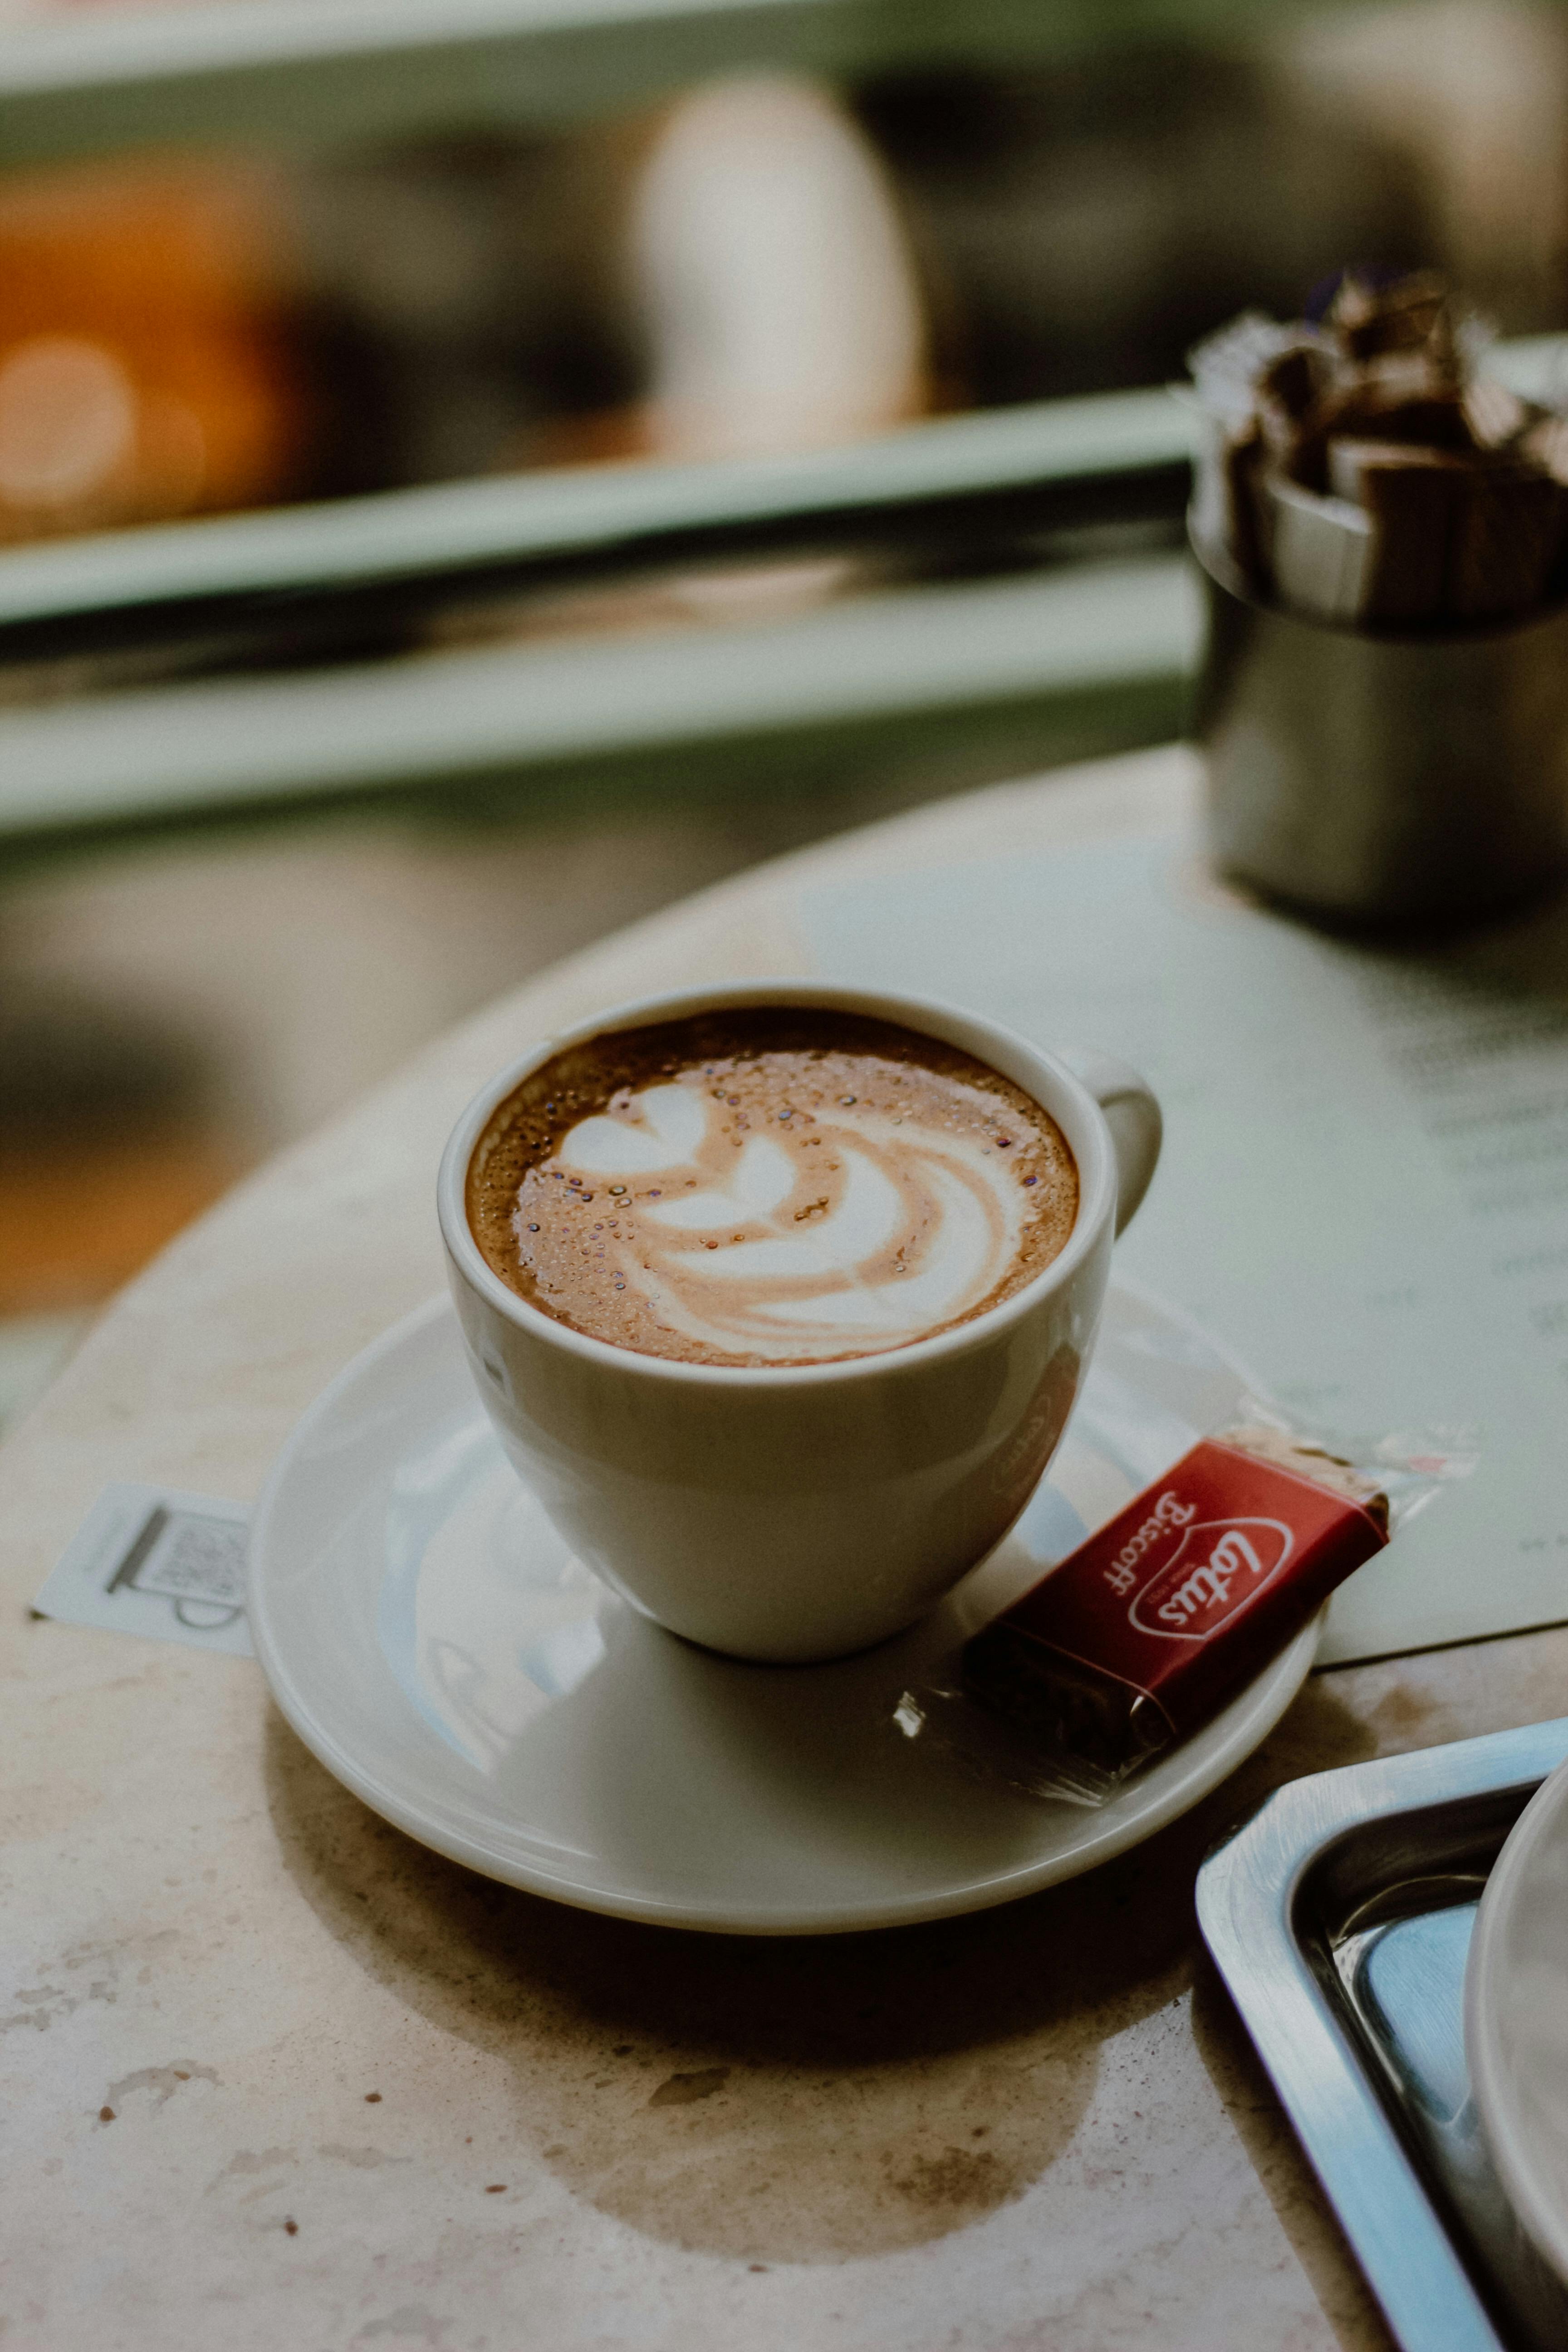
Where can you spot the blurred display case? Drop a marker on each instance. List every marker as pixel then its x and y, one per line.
pixel 355 432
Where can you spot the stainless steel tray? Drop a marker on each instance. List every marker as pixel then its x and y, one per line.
pixel 1340 1917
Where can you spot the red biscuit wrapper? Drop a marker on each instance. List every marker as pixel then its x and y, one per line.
pixel 1164 1614
pixel 1142 1634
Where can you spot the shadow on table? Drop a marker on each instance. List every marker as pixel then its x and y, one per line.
pixel 802 2099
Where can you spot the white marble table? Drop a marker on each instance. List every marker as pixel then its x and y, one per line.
pixel 361 2098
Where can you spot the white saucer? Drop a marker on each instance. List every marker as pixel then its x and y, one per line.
pixel 1516 2017
pixel 432 1640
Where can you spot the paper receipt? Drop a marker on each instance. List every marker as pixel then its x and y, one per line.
pixel 152 1561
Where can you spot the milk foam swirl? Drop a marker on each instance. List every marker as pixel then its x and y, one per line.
pixel 826 1230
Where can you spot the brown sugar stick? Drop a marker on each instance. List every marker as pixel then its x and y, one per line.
pixel 1240 462
pixel 1427 420
pixel 1412 495
pixel 1367 321
pixel 1504 536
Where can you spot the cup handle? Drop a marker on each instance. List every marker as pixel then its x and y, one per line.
pixel 1132 1115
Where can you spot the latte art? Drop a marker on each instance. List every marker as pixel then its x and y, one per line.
pixel 835 1226
pixel 776 1202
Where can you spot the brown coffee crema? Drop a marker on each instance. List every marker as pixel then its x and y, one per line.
pixel 772 1184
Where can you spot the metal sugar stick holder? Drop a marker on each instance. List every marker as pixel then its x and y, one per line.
pixel 1381 779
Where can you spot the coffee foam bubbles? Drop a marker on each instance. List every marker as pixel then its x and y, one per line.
pixel 826 1230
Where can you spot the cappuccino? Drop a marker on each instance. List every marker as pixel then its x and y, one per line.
pixel 769 1185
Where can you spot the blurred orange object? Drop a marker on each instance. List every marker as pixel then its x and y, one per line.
pixel 75 1224
pixel 144 363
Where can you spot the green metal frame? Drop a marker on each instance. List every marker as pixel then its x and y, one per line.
pixel 340 70
pixel 1082 654
pixel 1051 660
pixel 968 482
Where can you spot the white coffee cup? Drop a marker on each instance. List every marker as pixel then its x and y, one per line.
pixel 802 1511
